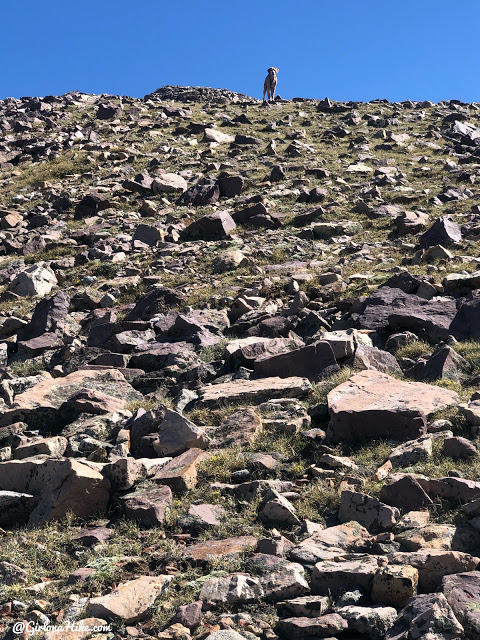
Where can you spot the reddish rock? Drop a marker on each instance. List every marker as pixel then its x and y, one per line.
pixel 148 507
pixel 62 485
pixel 181 472
pixel 47 401
pixel 322 627
pixel 130 601
pixel 202 551
pixel 459 448
pixel 404 492
pixel 374 405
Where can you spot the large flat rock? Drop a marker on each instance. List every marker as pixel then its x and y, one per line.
pixel 371 404
pixel 130 601
pixel 254 390
pixel 47 401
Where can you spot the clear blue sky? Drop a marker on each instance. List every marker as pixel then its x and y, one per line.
pixel 343 49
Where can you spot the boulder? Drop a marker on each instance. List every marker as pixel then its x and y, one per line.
pixel 313 362
pixel 206 191
pixel 214 226
pixel 330 542
pixel 335 578
pixel 302 627
pixel 131 601
pixel 148 507
pixel 212 135
pixel 278 577
pixel 61 485
pixel 444 231
pixel 373 622
pixel 374 405
pixel 433 564
pixel 49 316
pixel 440 536
pixel 392 310
pixel 366 357
pixel 426 617
pixel 462 591
pixel 203 551
pixel 231 590
pixel 411 452
pixel 367 511
pixel 15 508
pixel 394 585
pixel 177 434
pixel 48 401
pixel 36 280
pixel 404 492
pixel 256 391
pixel 169 183
pixel 181 472
pixel 459 448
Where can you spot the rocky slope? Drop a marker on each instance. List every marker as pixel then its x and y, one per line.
pixel 240 354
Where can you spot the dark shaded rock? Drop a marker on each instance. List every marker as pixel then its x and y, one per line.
pixel 444 231
pixel 462 591
pixel 404 492
pixel 459 448
pixel 107 111
pixel 215 226
pixel 230 186
pixel 206 191
pixel 313 361
pixel 148 507
pixel 90 205
pixel 154 302
pixel 393 310
pixel 426 616
pixel 15 508
pixel 50 316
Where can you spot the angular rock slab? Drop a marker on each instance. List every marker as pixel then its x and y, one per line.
pixel 310 362
pixel 47 401
pixel 395 585
pixel 130 601
pixel 335 578
pixel 392 309
pixel 426 617
pixel 434 564
pixel 181 472
pixel 371 404
pixel 148 507
pixel 329 543
pixel 374 622
pixel 367 511
pixel 203 551
pixel 303 627
pixel 256 391
pixel 62 485
pixel 462 591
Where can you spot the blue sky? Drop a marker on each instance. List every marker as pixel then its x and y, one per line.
pixel 343 49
